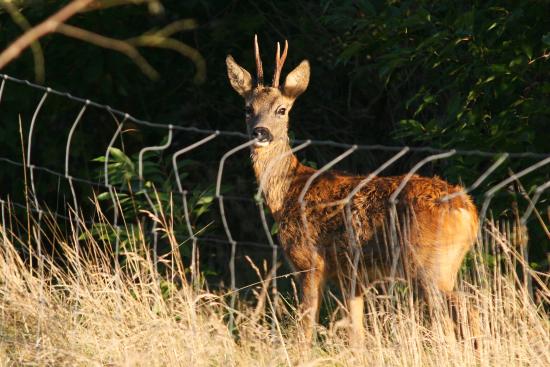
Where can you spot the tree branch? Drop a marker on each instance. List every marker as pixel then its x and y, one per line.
pixel 158 38
pixel 37 53
pixel 47 26
pixel 110 43
pixel 153 40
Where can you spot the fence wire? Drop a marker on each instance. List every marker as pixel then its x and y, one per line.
pixel 211 137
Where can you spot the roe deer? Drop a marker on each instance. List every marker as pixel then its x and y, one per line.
pixel 438 232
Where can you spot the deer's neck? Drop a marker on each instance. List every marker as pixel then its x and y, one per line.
pixel 274 166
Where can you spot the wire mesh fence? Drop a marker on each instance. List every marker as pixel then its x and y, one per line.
pixel 56 185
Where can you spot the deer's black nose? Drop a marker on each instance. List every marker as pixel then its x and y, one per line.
pixel 262 134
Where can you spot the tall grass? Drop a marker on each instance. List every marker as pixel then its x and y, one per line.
pixel 80 305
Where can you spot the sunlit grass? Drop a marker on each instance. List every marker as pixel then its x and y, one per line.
pixel 83 308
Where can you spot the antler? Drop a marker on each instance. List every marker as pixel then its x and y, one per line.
pixel 259 68
pixel 279 62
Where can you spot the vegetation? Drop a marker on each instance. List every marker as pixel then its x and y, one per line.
pixel 88 312
pixel 444 74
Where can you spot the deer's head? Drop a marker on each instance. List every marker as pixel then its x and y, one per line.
pixel 267 107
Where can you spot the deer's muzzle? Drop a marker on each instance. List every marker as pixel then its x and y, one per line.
pixel 263 135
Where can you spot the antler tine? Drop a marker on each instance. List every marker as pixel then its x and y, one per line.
pixel 259 68
pixel 279 62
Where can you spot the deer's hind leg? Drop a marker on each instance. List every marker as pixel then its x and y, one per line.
pixel 438 281
pixel 355 302
pixel 438 251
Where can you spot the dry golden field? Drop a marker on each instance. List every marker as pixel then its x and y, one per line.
pixel 85 311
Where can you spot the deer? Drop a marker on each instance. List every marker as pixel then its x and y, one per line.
pixel 321 241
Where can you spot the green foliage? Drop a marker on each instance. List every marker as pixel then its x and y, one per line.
pixel 446 74
pixel 457 74
pixel 135 196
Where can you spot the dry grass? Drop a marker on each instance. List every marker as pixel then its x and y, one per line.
pixel 87 311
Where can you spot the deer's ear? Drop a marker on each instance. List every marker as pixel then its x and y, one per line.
pixel 240 79
pixel 297 80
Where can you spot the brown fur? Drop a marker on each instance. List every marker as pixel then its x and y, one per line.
pixel 322 242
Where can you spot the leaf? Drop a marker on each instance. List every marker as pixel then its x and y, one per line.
pixel 546 39
pixel 200 210
pixel 206 199
pixel 528 50
pixel 274 228
pixel 119 155
pixel 104 196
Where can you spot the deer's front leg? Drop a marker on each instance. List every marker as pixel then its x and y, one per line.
pixel 312 285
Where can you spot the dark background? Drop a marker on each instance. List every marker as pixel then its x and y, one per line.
pixel 470 75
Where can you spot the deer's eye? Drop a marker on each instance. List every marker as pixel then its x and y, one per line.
pixel 281 111
pixel 248 111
